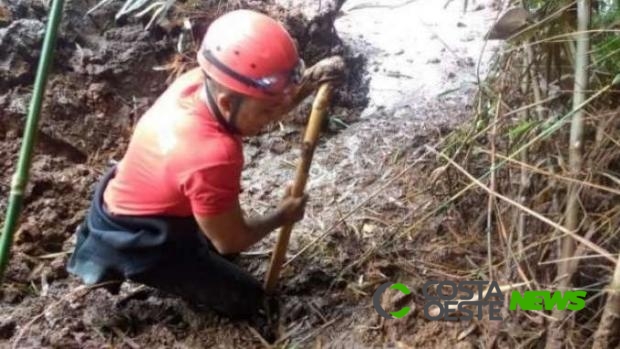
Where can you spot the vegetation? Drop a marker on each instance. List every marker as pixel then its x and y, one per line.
pixel 545 149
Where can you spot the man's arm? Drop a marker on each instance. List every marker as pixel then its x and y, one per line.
pixel 230 232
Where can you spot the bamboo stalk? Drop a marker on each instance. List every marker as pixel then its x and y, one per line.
pixel 609 327
pixel 20 179
pixel 567 267
pixel 524 178
pixel 491 200
pixel 319 109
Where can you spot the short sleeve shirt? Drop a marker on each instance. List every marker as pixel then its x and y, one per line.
pixel 180 160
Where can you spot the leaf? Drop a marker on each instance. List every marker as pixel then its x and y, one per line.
pixel 509 24
pixel 520 129
pixel 616 80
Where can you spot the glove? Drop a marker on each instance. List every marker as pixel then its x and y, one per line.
pixel 331 69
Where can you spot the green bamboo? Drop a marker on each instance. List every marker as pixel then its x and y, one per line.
pixel 20 179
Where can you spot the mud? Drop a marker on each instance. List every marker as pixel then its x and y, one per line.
pixel 102 81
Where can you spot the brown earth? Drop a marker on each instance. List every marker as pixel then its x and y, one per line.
pixel 101 82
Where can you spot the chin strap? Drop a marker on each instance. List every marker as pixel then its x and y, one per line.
pixel 229 125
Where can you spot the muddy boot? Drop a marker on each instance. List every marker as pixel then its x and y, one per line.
pixel 267 321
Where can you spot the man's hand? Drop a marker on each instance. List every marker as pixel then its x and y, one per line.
pixel 292 209
pixel 331 69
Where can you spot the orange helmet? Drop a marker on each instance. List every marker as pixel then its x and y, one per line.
pixel 250 53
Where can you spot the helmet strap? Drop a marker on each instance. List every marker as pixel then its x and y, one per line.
pixel 229 125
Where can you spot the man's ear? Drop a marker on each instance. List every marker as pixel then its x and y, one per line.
pixel 225 103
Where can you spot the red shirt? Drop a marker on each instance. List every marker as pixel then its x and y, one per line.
pixel 180 160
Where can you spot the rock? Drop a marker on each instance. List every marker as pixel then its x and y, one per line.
pixel 20 43
pixel 10 294
pixel 5 15
pixel 57 269
pixel 278 146
pixel 311 9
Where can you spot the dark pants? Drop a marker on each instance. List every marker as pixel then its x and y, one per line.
pixel 167 253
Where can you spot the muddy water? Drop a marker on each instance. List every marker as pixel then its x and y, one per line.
pixel 422 64
pixel 417 51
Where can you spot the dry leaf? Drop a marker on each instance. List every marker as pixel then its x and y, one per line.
pixel 509 24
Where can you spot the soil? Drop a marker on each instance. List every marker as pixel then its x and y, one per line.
pixel 101 82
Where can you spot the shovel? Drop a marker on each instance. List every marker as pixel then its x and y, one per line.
pixel 319 108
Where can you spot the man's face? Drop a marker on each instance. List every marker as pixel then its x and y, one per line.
pixel 255 114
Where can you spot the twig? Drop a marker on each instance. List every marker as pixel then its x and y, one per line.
pixel 524 183
pixel 568 36
pixel 587 243
pixel 532 105
pixel 511 255
pixel 125 339
pixel 261 253
pixel 320 329
pixel 379 5
pixel 534 82
pixel 259 337
pixel 53 255
pixel 491 197
pixel 290 333
pixel 553 175
pixel 575 258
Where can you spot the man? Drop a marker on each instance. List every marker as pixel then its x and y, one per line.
pixel 168 215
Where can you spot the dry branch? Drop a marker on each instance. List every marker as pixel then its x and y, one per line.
pixel 601 251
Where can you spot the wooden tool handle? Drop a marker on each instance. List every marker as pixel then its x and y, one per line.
pixel 319 108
